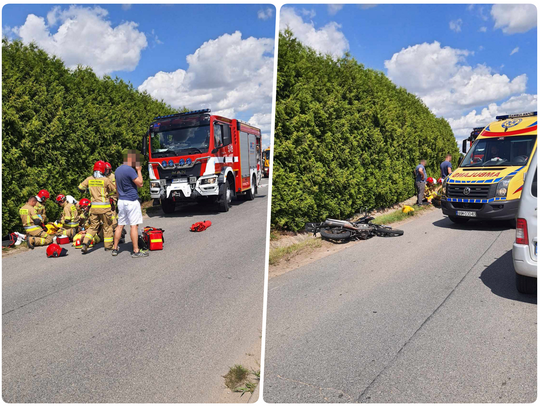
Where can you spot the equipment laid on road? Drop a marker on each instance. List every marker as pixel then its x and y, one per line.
pixel 54 250
pixel 489 180
pixel 343 230
pixel 199 156
pixel 13 239
pixel 200 226
pixel 62 240
pixel 408 209
pixel 153 238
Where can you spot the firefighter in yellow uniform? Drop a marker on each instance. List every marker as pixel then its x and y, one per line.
pixel 69 219
pixel 431 190
pixel 41 197
pixel 100 212
pixel 83 208
pixel 113 197
pixel 33 225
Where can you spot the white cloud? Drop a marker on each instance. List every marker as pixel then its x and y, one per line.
pixel 265 14
pixel 514 18
pixel 440 77
pixel 482 29
pixel 326 40
pixel 515 50
pixel 156 39
pixel 308 13
pixel 85 37
pixel 126 7
pixel 228 75
pixel 455 25
pixel 262 121
pixel 463 125
pixel 334 8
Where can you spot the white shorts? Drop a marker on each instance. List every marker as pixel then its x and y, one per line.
pixel 129 213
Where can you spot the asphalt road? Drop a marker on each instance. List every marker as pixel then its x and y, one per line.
pixel 432 316
pixel 98 328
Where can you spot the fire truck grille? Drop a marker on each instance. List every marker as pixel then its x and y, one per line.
pixel 194 171
pixel 474 191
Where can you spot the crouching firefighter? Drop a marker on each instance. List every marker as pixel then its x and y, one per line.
pixel 69 219
pixel 83 210
pixel 35 230
pixel 100 212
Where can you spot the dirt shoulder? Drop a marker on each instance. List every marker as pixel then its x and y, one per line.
pixel 308 252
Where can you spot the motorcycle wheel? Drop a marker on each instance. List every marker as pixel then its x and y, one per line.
pixel 335 234
pixel 387 231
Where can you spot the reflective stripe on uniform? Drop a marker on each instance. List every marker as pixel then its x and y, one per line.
pixel 101 205
pixel 30 228
pixel 88 235
pixel 71 225
pixel 108 239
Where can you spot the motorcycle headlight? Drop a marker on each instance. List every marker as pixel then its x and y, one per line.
pixel 502 187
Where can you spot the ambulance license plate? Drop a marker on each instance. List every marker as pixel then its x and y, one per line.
pixel 469 214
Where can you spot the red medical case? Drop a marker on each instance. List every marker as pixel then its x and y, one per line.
pixel 153 238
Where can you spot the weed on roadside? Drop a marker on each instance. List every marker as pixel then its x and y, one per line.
pixel 249 387
pixel 288 252
pixel 235 376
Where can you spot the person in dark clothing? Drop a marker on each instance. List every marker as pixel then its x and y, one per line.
pixel 420 181
pixel 446 167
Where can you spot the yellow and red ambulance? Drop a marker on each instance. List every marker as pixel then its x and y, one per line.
pixel 488 182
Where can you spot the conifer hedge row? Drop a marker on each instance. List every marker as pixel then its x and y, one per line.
pixel 57 122
pixel 346 138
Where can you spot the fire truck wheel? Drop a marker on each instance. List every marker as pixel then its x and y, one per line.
pixel 225 196
pixel 250 195
pixel 168 206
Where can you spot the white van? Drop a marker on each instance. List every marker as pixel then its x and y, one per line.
pixel 525 247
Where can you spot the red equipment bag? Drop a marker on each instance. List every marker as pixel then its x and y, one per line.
pixel 153 237
pixel 200 226
pixel 62 240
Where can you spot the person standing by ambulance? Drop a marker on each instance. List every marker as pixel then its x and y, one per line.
pixel 446 167
pixel 128 180
pixel 100 212
pixel 420 181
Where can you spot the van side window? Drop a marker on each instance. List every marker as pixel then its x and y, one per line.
pixel 218 135
pixel 534 185
pixel 227 135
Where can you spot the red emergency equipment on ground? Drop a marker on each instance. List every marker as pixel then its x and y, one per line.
pixel 153 237
pixel 200 226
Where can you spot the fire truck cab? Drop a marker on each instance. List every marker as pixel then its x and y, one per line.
pixel 199 156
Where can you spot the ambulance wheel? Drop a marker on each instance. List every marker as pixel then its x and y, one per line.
pixel 250 195
pixel 458 220
pixel 225 196
pixel 168 206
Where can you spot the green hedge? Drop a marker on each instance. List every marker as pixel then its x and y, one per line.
pixel 346 138
pixel 57 122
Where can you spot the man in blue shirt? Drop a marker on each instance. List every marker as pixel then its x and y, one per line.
pixel 446 167
pixel 128 179
pixel 420 181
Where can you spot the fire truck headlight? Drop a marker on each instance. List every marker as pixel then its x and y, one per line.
pixel 502 188
pixel 154 184
pixel 209 180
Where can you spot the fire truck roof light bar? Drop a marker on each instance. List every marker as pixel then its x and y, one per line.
pixel 512 116
pixel 183 114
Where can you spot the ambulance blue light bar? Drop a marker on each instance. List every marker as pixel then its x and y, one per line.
pixel 513 116
pixel 183 114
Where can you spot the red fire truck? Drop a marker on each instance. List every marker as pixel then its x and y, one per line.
pixel 199 156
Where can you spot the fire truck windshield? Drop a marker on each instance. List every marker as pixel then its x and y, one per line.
pixel 502 151
pixel 180 141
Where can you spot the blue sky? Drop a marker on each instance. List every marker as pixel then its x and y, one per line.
pixel 149 44
pixel 473 56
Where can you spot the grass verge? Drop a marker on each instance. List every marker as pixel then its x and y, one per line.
pixel 288 252
pixel 398 215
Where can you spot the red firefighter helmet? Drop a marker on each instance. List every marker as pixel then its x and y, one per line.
pixel 430 180
pixel 60 199
pixel 84 203
pixel 54 250
pixel 108 166
pixel 440 181
pixel 43 194
pixel 100 166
